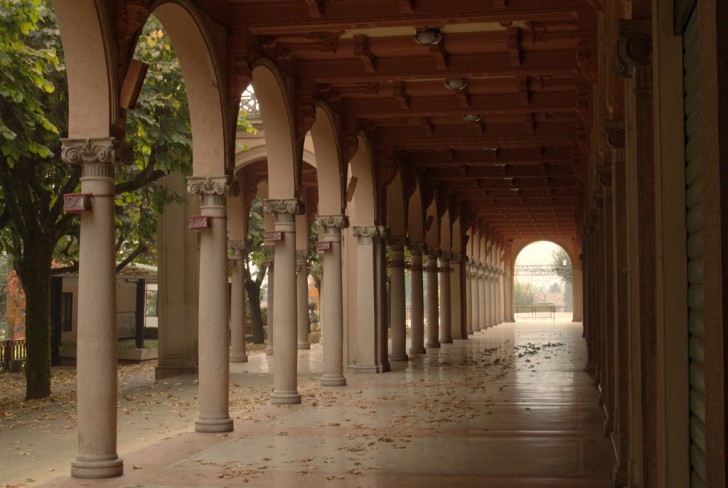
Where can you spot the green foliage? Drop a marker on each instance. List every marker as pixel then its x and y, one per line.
pixel 561 265
pixel 554 288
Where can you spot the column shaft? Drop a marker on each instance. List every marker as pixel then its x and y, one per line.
pixel 303 325
pixel 270 254
pixel 285 374
pixel 432 308
pixel 365 302
pixel 332 311
pixel 213 322
pixel 417 341
pixel 475 297
pixel 97 341
pixel 445 308
pixel 237 305
pixel 468 300
pixel 456 309
pixel 397 311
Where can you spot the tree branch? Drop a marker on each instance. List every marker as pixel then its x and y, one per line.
pixel 141 248
pixel 73 268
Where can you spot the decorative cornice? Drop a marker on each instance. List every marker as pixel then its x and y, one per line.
pixel 329 221
pixel 96 156
pixel 634 51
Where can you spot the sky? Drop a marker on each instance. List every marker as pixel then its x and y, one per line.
pixel 537 253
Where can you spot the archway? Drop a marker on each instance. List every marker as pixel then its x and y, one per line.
pixel 543 282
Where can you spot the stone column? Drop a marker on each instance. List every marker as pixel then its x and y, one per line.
pixel 499 297
pixel 468 299
pixel 475 296
pixel 380 298
pixel 417 341
pixel 214 339
pixel 332 310
pixel 493 276
pixel 456 309
pixel 97 346
pixel 432 308
pixel 269 252
pixel 237 305
pixel 445 303
pixel 482 303
pixel 285 374
pixel 366 340
pixel 397 310
pixel 303 325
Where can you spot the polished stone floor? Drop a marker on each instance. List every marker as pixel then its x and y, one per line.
pixel 509 407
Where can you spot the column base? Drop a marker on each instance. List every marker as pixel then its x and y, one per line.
pixel 213 426
pixel 417 350
pixel 269 351
pixel 164 372
pixel 620 475
pixel 385 367
pixel 365 369
pixel 446 341
pixel 333 381
pixel 239 358
pixel 303 346
pixel 398 357
pixel 432 345
pixel 285 398
pixel 106 468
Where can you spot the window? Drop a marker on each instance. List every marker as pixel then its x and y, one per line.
pixel 66 312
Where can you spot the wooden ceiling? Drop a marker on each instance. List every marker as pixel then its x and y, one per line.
pixel 530 68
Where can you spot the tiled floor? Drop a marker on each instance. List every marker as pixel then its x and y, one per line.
pixel 510 407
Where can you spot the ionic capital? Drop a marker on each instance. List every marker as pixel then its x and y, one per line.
pixel 634 51
pixel 211 189
pixel 332 221
pixel 238 249
pixel 367 234
pixel 417 249
pixel 96 156
pixel 302 261
pixel 614 139
pixel 287 206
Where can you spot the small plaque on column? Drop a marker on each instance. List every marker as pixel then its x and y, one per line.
pixel 199 222
pixel 76 202
pixel 323 246
pixel 273 236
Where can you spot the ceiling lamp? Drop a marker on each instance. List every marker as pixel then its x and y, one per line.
pixel 456 84
pixel 472 117
pixel 428 36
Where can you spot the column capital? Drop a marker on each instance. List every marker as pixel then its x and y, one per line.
pixel 302 261
pixel 397 241
pixel 97 156
pixel 211 189
pixel 457 258
pixel 417 248
pixel 332 221
pixel 369 233
pixel 634 51
pixel 433 253
pixel 613 138
pixel 289 206
pixel 238 248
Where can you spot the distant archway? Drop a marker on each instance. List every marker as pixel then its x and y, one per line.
pixel 543 282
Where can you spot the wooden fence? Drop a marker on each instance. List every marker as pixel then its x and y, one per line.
pixel 11 353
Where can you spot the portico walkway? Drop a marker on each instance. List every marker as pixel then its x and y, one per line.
pixel 511 406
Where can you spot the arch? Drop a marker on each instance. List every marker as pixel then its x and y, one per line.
pixel 88 59
pixel 519 244
pixel 278 119
pixel 362 168
pixel 415 217
pixel 200 71
pixel 325 138
pixel 396 207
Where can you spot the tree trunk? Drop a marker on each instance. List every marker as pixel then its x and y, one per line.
pixel 35 275
pixel 252 289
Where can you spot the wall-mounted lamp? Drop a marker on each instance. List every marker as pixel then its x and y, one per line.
pixel 456 84
pixel 428 36
pixel 472 117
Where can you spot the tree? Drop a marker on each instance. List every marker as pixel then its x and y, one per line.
pixel 524 293
pixel 255 269
pixel 555 287
pixel 33 112
pixel 561 266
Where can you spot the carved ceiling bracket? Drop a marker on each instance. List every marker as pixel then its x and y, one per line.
pixel 407 6
pixel 400 94
pixel 362 51
pixel 305 108
pixel 131 15
pixel 513 42
pixel 523 90
pixel 315 8
pixel 441 57
pixel 585 55
pixel 613 138
pixel 584 102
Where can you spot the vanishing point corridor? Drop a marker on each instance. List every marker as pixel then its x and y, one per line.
pixel 510 407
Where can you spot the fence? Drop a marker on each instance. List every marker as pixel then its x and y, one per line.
pixel 538 310
pixel 11 354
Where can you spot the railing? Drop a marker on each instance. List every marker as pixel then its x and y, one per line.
pixel 249 104
pixel 10 352
pixel 541 270
pixel 536 310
